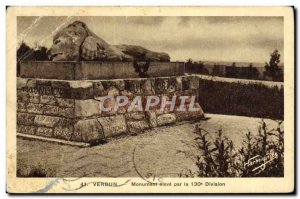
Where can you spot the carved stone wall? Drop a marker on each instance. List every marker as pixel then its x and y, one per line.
pixel 69 110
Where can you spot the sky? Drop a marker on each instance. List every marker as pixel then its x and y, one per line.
pixel 236 39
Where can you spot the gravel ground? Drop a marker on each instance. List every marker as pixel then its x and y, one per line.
pixel 166 151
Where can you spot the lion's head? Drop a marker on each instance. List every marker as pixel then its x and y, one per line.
pixel 67 42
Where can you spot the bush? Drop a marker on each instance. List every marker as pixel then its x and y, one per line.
pixel 220 158
pixel 25 53
pixel 254 100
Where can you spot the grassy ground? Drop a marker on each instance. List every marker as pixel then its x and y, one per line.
pixel 165 152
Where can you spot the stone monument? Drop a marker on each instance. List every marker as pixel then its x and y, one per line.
pixel 60 100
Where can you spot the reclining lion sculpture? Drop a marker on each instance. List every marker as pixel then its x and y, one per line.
pixel 76 42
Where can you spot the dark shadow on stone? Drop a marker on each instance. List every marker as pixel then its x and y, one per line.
pixel 141 67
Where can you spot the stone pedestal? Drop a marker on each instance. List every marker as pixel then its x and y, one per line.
pixel 69 109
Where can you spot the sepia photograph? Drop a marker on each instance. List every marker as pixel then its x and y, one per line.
pixel 172 99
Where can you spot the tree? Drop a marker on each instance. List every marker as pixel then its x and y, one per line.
pixel 195 67
pixel 272 69
pixel 201 68
pixel 23 50
pixel 231 71
pixel 188 65
pixel 190 61
pixel 216 70
pixel 25 53
pixel 252 72
pixel 233 64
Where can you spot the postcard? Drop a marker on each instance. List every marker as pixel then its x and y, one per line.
pixel 150 100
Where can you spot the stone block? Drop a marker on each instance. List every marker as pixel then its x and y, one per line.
pixel 196 114
pixel 95 70
pixel 65 122
pixel 34 98
pixel 21 83
pixel 26 129
pixel 161 85
pixel 133 86
pixel 85 108
pixel 104 70
pixel 165 85
pixel 58 111
pixel 98 89
pixel 120 84
pixel 128 94
pixel 133 116
pixel 47 69
pixel 43 83
pixel 113 91
pixel 69 103
pixel 60 84
pixel 166 119
pixel 151 116
pixel 158 111
pixel 121 110
pixel 63 132
pixel 44 132
pixel 35 108
pixel 137 126
pixel 148 86
pixel 171 85
pixel 163 69
pixel 109 105
pixel 87 131
pixel 25 118
pixel 108 84
pixel 22 96
pixel 48 99
pixel 113 126
pixel 31 83
pixel 61 89
pixel 46 121
pixel 82 90
pixel 182 116
pixel 21 107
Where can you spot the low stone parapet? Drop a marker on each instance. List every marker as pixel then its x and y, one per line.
pixel 95 70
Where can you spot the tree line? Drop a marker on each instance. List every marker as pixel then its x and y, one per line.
pixel 26 53
pixel 272 71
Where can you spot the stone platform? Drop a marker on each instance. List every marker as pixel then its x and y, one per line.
pixel 95 70
pixel 69 109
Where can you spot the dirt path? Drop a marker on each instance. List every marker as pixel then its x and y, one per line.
pixel 164 152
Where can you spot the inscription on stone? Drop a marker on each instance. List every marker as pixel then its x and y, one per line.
pixel 44 90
